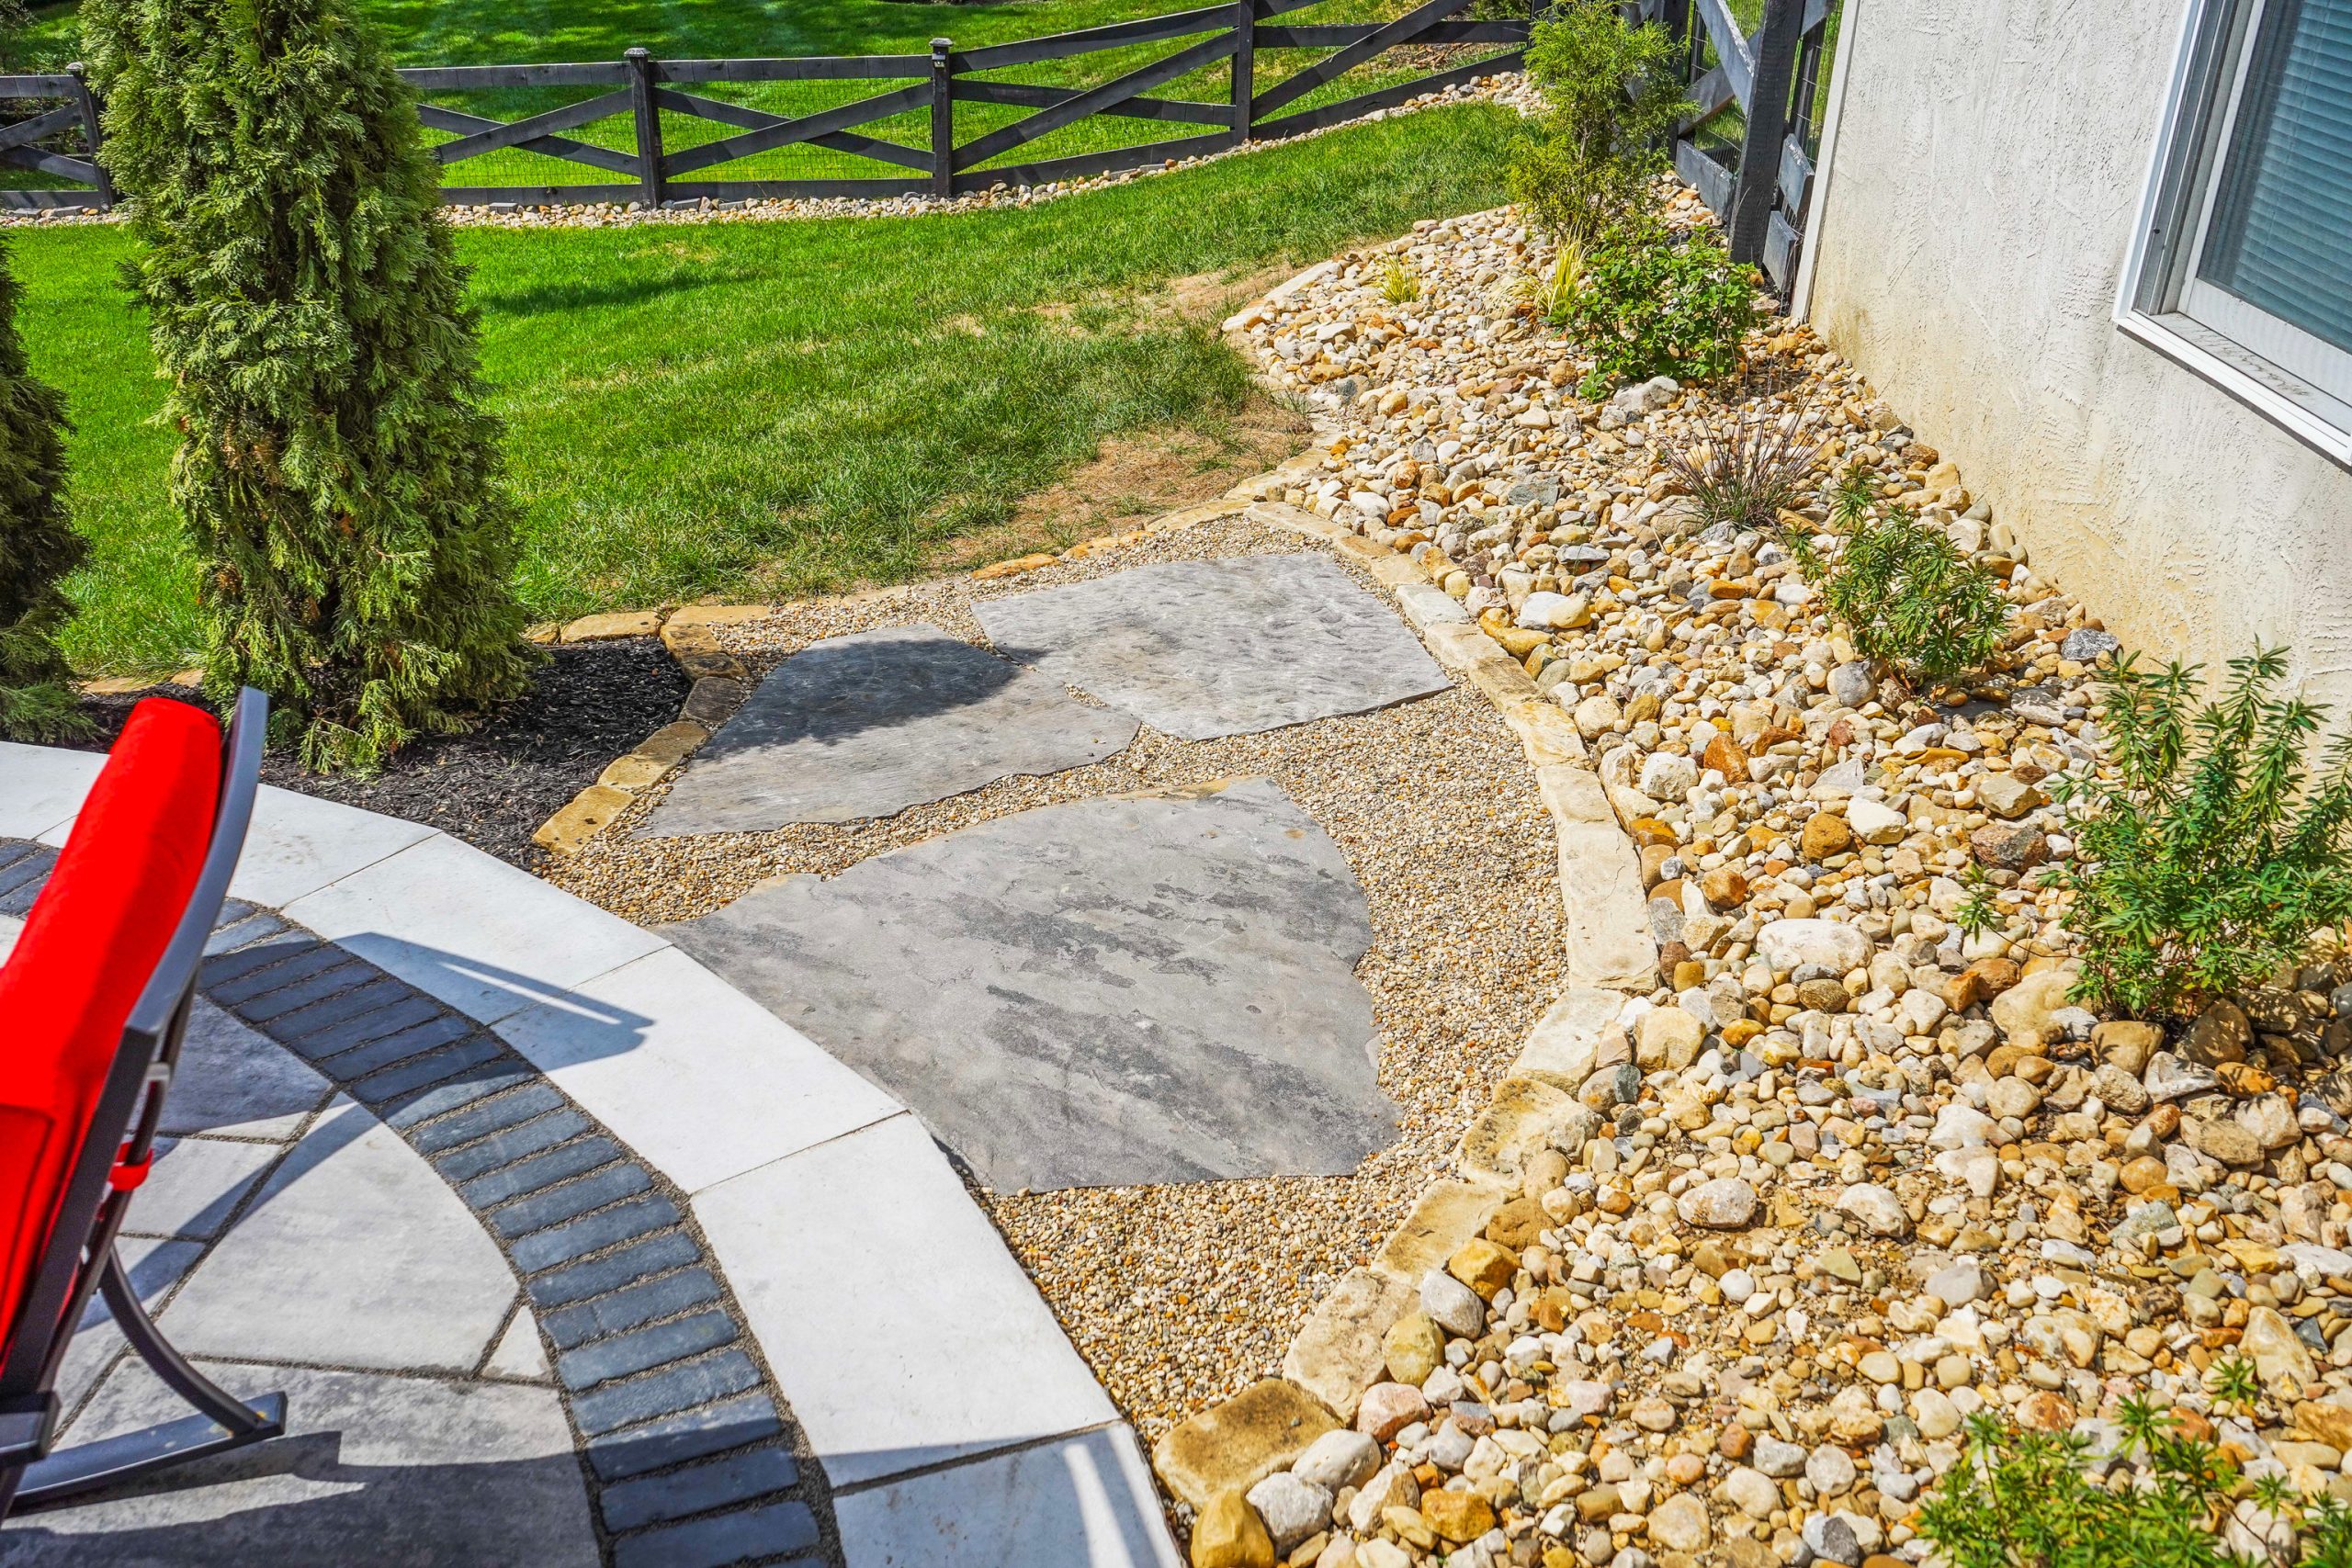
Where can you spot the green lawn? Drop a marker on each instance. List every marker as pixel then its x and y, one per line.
pixel 467 32
pixel 776 408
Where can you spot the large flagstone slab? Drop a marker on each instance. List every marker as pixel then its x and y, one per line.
pixel 1117 991
pixel 1198 650
pixel 870 724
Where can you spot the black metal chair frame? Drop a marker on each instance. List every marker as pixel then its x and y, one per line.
pixel 80 1255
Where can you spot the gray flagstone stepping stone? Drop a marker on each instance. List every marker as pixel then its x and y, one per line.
pixel 1143 989
pixel 870 724
pixel 1198 650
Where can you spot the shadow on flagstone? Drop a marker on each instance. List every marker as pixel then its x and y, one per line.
pixel 870 724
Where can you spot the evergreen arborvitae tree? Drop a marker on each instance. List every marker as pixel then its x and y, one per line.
pixel 38 546
pixel 340 477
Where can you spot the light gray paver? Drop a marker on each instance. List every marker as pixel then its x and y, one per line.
pixel 194 1184
pixel 883 1380
pixel 355 1254
pixel 377 1470
pixel 691 1073
pixel 234 1079
pixel 299 843
pixel 1203 648
pixel 520 1356
pixel 1084 1502
pixel 1107 992
pixel 481 935
pixel 44 787
pixel 870 724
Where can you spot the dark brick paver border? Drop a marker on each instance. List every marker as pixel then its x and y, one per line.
pixel 688 1448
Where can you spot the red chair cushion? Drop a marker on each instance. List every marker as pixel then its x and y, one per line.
pixel 86 951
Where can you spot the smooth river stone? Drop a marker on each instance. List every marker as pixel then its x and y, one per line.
pixel 867 725
pixel 1198 650
pixel 1145 989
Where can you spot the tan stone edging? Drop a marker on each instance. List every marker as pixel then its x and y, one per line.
pixel 719 685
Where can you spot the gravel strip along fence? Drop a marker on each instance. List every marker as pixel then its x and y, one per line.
pixel 686 1445
pixel 1179 1294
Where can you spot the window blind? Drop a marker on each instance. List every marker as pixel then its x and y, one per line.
pixel 2281 233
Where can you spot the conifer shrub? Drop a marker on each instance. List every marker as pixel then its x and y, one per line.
pixel 1584 170
pixel 341 480
pixel 1907 596
pixel 2208 856
pixel 37 545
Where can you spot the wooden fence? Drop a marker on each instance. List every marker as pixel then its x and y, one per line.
pixel 1760 187
pixel 1772 77
pixel 645 89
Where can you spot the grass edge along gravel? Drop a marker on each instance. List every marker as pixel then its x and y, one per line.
pixel 774 410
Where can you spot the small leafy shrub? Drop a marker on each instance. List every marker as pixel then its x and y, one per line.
pixel 1977 912
pixel 1654 306
pixel 1907 596
pixel 1750 468
pixel 1611 98
pixel 2020 1499
pixel 2210 856
pixel 1399 284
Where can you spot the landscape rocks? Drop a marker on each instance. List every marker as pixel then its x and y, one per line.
pixel 1852 1173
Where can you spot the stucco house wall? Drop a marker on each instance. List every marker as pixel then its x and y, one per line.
pixel 1985 180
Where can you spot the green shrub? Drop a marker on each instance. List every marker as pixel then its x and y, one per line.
pixel 304 303
pixel 1583 169
pixel 2020 1499
pixel 1907 595
pixel 2208 858
pixel 38 546
pixel 1652 305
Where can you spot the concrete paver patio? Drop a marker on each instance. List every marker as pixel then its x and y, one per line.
pixel 395 1188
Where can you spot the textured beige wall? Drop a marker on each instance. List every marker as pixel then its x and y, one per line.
pixel 1986 180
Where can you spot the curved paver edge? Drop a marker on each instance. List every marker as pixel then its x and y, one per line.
pixel 481 937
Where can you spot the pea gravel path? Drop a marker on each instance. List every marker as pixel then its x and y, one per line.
pixel 1183 1293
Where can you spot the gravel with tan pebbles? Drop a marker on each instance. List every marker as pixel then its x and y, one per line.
pixel 1179 1295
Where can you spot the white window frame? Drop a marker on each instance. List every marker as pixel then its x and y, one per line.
pixel 2300 381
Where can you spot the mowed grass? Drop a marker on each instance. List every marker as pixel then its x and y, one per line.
pixel 474 32
pixel 774 409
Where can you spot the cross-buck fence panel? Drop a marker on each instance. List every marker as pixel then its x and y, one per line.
pixel 1223 40
pixel 1772 77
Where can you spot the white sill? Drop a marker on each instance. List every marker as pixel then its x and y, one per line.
pixel 2259 385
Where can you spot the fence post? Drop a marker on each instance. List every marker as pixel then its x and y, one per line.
pixel 1245 65
pixel 648 124
pixel 89 105
pixel 942 119
pixel 1767 123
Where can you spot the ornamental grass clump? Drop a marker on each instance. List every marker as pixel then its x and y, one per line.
pixel 2029 1499
pixel 1907 596
pixel 1750 468
pixel 340 478
pixel 37 545
pixel 2208 854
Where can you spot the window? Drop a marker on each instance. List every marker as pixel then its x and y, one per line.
pixel 2243 267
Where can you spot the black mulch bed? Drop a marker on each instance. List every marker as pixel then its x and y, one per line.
pixel 495 786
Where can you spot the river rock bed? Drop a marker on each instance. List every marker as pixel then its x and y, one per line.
pixel 1844 1175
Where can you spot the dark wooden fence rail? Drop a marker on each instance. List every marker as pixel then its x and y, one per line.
pixel 1773 77
pixel 643 88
